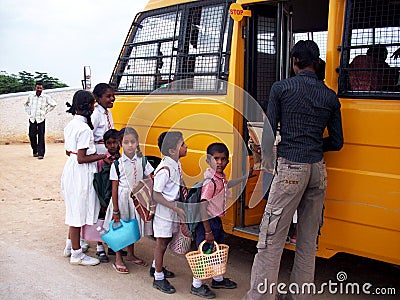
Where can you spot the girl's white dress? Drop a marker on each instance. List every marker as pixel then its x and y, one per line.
pixel 82 205
pixel 131 171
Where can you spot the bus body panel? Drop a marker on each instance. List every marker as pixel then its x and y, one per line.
pixel 362 204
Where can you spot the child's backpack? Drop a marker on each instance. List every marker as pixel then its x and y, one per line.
pixel 193 205
pixel 142 196
pixel 102 184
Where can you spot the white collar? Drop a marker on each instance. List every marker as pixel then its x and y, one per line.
pixel 126 158
pixel 82 118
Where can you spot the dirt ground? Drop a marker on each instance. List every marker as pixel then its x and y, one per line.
pixel 33 237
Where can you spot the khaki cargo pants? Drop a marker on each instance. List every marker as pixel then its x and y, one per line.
pixel 298 186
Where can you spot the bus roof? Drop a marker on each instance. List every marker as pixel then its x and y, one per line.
pixel 154 4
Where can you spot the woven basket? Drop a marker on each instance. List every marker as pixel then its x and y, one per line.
pixel 181 240
pixel 206 266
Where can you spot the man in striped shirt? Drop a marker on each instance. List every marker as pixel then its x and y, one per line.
pixel 304 107
pixel 37 106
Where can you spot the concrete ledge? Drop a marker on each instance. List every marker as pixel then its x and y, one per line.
pixel 14 119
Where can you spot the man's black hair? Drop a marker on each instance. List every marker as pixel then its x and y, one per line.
pixel 307 53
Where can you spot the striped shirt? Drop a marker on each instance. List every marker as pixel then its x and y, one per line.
pixel 38 107
pixel 304 107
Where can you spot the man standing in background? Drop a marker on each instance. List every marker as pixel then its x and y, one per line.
pixel 37 106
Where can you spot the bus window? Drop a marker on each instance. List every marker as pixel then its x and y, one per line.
pixel 371 35
pixel 320 37
pixel 180 49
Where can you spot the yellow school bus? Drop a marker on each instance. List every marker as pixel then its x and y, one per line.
pixel 206 68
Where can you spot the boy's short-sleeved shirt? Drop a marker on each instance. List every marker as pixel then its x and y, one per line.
pixel 215 194
pixel 166 182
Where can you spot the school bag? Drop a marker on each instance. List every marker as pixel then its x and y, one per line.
pixel 192 205
pixel 102 183
pixel 142 196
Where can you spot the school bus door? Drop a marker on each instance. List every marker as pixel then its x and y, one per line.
pixel 266 60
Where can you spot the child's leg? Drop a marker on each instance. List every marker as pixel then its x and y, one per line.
pixel 119 265
pixel 75 236
pixel 131 257
pixel 101 253
pixel 159 250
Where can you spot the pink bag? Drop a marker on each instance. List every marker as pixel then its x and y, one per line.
pixel 181 240
pixel 90 233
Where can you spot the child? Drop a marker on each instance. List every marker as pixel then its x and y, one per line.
pixel 82 205
pixel 111 142
pixel 215 193
pixel 166 188
pixel 121 206
pixel 102 118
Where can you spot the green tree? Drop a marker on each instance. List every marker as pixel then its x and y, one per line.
pixel 25 81
pixel 9 84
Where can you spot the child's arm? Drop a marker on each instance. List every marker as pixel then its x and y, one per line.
pixel 236 181
pixel 114 196
pixel 159 198
pixel 83 158
pixel 206 223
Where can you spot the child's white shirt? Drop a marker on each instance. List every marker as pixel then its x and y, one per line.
pixel 78 136
pixel 100 123
pixel 168 182
pixel 127 168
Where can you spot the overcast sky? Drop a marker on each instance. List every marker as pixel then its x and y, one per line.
pixel 60 37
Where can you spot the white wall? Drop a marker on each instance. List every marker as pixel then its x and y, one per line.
pixel 14 120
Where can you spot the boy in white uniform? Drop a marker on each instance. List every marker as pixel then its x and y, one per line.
pixel 166 191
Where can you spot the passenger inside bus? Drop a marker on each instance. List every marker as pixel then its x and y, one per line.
pixel 371 72
pixel 160 82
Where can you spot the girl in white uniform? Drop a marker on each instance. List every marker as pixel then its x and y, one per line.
pixel 121 207
pixel 102 118
pixel 82 206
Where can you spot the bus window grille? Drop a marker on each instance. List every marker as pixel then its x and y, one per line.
pixel 266 59
pixel 177 51
pixel 371 36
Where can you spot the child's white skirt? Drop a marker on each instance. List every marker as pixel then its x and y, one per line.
pixel 81 203
pixel 127 212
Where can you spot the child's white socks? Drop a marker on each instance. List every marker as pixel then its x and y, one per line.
pixel 76 253
pixel 158 275
pixel 68 244
pixel 100 248
pixel 197 283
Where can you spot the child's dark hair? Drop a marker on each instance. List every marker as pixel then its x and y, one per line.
pixel 307 53
pixel 100 89
pixel 217 147
pixel 82 102
pixel 130 130
pixel 111 134
pixel 168 140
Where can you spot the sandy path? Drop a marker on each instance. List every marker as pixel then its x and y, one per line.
pixel 33 237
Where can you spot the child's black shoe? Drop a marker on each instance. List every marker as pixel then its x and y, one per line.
pixel 112 252
pixel 203 291
pixel 167 274
pixel 224 284
pixel 102 256
pixel 164 286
